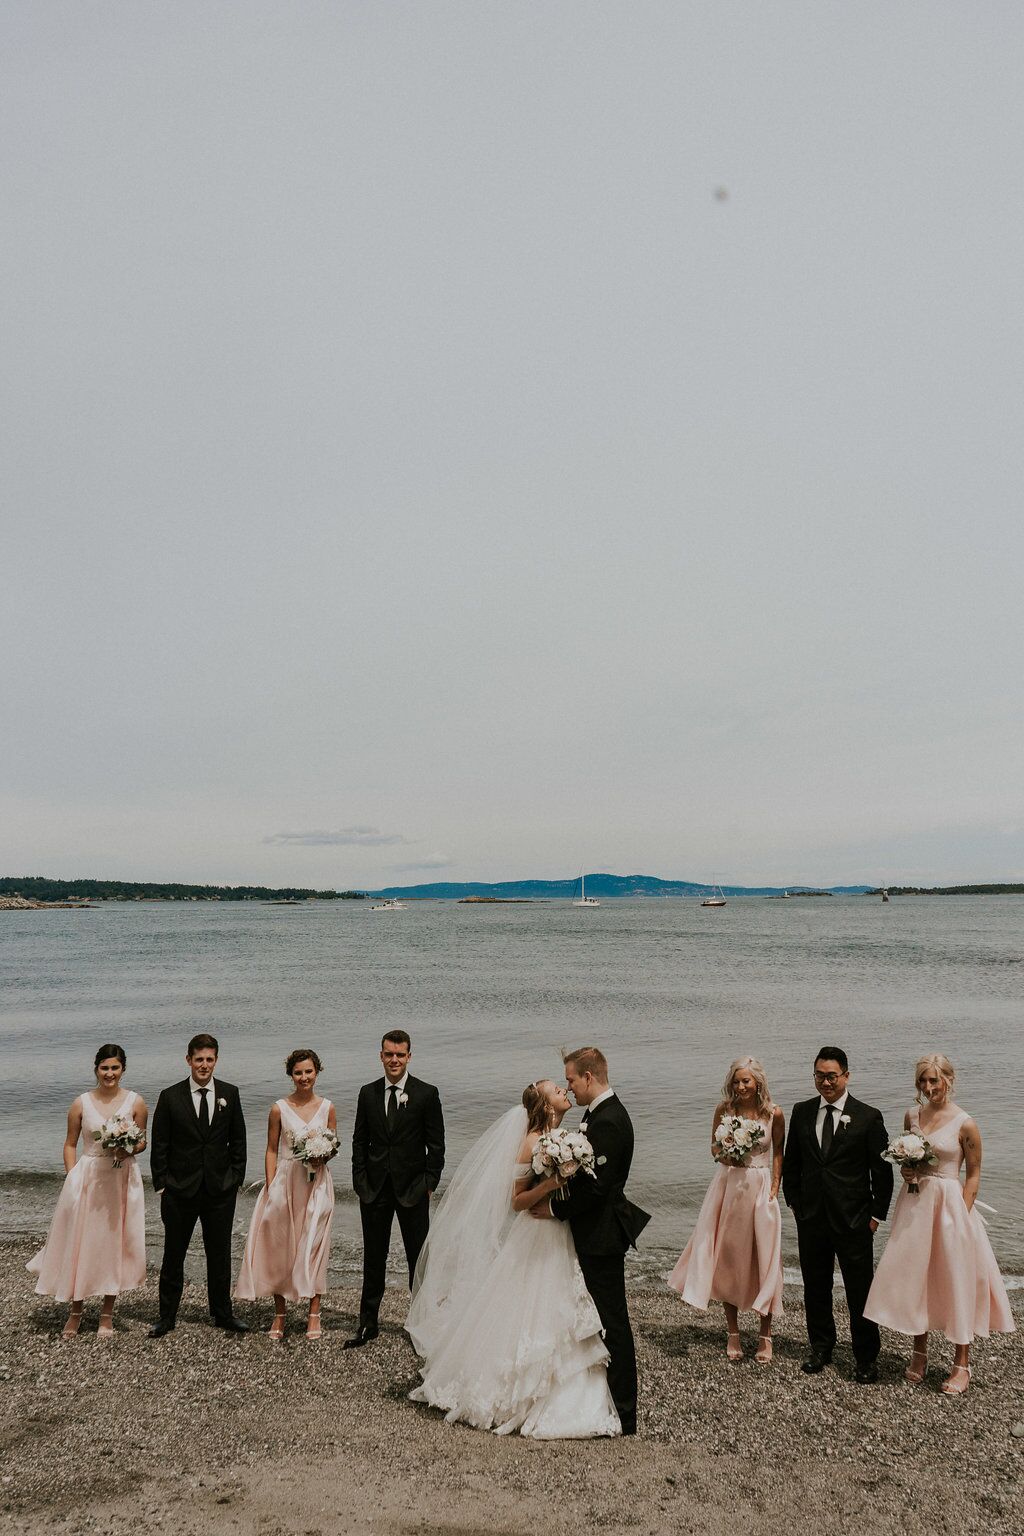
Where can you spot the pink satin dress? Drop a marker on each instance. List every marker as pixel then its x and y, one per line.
pixel 735 1253
pixel 938 1271
pixel 96 1245
pixel 289 1241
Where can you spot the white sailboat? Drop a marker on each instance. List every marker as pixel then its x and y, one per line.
pixel 716 898
pixel 584 899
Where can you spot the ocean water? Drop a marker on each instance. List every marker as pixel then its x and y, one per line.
pixel 491 994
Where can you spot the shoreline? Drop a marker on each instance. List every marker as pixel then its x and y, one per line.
pixel 199 1433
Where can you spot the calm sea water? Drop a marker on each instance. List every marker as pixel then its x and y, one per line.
pixel 490 995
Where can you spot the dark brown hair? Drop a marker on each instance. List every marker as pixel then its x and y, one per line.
pixel 397 1037
pixel 106 1051
pixel 538 1110
pixel 203 1043
pixel 294 1057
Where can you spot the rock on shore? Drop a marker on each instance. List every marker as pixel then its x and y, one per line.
pixel 204 1433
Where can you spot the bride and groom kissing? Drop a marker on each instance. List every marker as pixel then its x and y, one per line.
pixel 519 1305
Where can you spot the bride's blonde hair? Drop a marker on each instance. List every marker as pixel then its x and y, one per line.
pixel 936 1062
pixel 753 1067
pixel 538 1110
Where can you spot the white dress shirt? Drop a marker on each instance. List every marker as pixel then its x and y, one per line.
pixel 211 1097
pixel 400 1085
pixel 823 1107
pixel 609 1093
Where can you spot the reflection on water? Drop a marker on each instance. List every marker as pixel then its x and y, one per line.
pixel 490 994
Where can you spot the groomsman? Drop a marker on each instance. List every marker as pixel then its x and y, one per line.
pixel 397 1159
pixel 838 1186
pixel 604 1223
pixel 197 1158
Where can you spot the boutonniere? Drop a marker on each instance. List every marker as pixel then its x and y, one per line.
pixel 222 1103
pixel 403 1099
pixel 844 1119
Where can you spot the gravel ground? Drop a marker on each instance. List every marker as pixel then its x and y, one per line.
pixel 195 1433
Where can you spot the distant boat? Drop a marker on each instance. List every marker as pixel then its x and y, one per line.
pixel 716 899
pixel 391 905
pixel 584 899
pixel 885 894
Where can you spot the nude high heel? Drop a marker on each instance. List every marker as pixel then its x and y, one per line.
pixel 733 1351
pixel 951 1388
pixel 764 1349
pixel 912 1374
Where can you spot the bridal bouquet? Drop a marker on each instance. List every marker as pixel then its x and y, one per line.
pixel 736 1137
pixel 911 1150
pixel 563 1153
pixel 119 1134
pixel 313 1148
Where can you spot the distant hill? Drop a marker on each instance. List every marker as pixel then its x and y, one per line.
pixel 605 887
pixel 40 888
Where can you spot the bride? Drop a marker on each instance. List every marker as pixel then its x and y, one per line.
pixel 509 1336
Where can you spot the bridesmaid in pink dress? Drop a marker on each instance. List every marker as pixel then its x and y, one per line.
pixel 735 1253
pixel 96 1245
pixel 938 1269
pixel 289 1239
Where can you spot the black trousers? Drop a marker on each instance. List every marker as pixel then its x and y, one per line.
pixel 820 1246
pixel 605 1278
pixel 377 1217
pixel 215 1214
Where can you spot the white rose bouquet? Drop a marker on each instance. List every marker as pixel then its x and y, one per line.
pixel 563 1154
pixel 911 1150
pixel 315 1147
pixel 119 1134
pixel 736 1138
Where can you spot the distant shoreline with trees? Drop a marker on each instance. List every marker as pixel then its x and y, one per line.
pixel 39 888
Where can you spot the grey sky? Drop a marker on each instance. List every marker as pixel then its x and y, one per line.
pixel 412 464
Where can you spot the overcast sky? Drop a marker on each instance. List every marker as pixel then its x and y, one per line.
pixel 478 440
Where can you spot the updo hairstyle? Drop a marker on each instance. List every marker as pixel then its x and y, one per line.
pixel 105 1052
pixel 294 1057
pixel 538 1110
pixel 936 1062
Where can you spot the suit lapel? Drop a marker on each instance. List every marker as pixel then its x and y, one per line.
pixel 812 1128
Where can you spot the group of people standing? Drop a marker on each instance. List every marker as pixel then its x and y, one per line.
pixel 519 1309
pixel 938 1272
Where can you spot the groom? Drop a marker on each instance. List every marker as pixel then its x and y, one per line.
pixel 838 1187
pixel 604 1223
pixel 397 1160
pixel 197 1159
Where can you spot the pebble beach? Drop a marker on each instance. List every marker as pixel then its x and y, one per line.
pixel 200 1432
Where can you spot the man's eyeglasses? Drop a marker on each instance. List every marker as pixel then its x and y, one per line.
pixel 828 1077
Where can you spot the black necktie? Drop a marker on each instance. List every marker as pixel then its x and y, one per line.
pixel 392 1109
pixel 204 1109
pixel 827 1130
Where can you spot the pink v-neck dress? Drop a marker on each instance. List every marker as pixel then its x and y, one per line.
pixel 289 1241
pixel 96 1245
pixel 735 1253
pixel 938 1271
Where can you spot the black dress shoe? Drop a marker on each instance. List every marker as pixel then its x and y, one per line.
pixel 866 1374
pixel 363 1334
pixel 817 1362
pixel 230 1325
pixel 159 1329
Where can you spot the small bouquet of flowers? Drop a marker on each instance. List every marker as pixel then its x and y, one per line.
pixel 315 1147
pixel 119 1134
pixel 911 1150
pixel 736 1137
pixel 564 1153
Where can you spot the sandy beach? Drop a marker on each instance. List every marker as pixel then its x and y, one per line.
pixel 198 1433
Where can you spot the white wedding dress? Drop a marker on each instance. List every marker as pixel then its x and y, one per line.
pixel 509 1335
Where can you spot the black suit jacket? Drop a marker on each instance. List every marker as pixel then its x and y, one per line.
pixel 411 1154
pixel 849 1186
pixel 183 1157
pixel 604 1223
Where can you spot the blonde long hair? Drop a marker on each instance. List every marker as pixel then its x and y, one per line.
pixel 936 1062
pixel 753 1066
